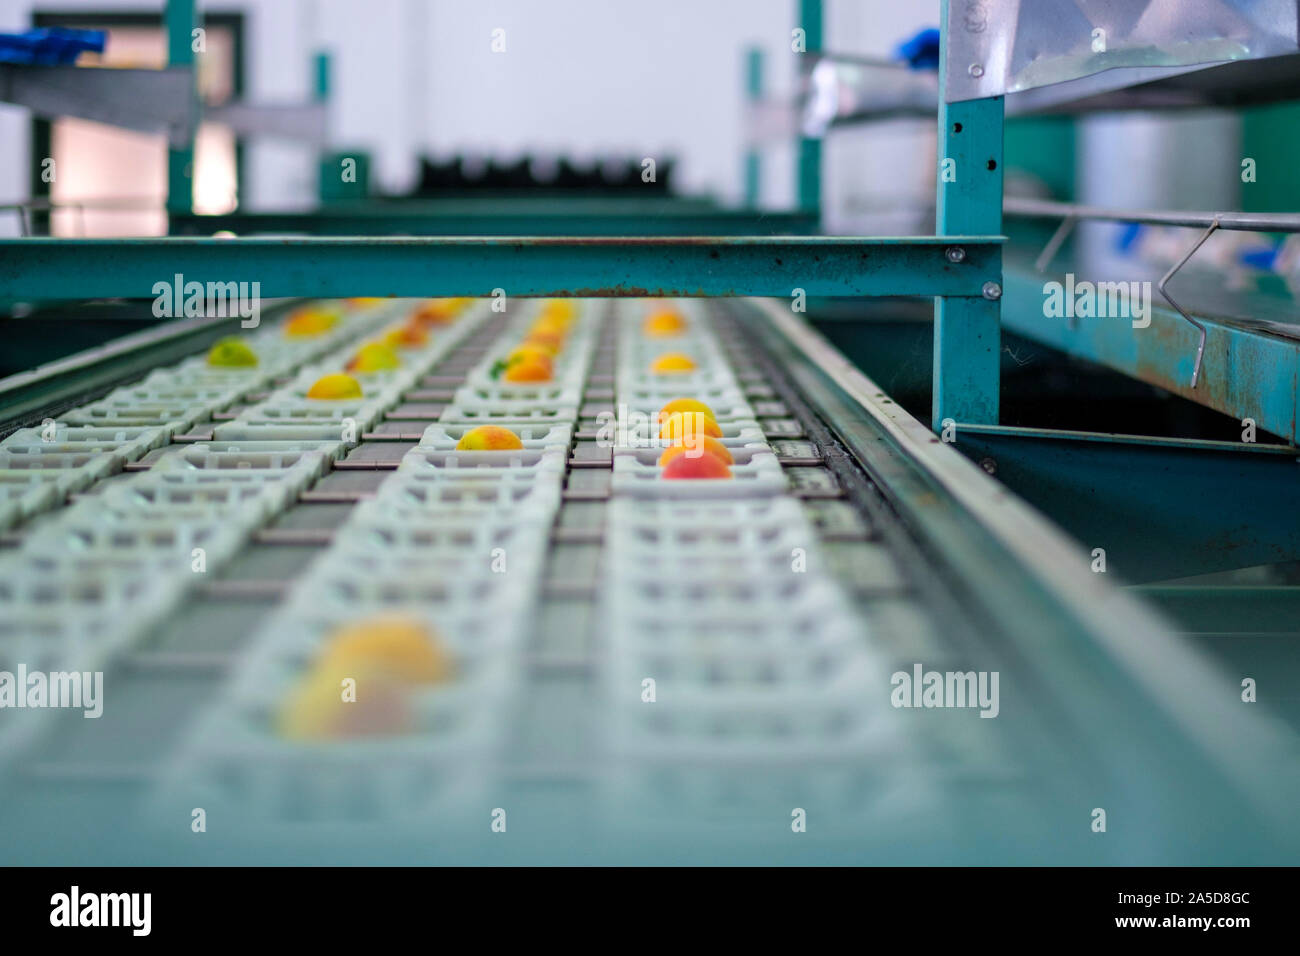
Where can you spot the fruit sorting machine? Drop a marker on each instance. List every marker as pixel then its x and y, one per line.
pixel 609 571
pixel 364 586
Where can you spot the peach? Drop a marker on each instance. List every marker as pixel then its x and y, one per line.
pixel 536 369
pixel 529 350
pixel 550 324
pixel 309 322
pixel 688 425
pixel 547 340
pixel 317 710
pixel 400 646
pixel 489 438
pixel 672 363
pixel 436 312
pixel 232 353
pixel 705 466
pixel 664 323
pixel 702 445
pixel 334 387
pixel 408 336
pixel 686 405
pixel 374 357
pixel 563 310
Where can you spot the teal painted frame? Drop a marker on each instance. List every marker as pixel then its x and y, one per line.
pixel 180 19
pixel 961 266
pixel 968 330
pixel 523 266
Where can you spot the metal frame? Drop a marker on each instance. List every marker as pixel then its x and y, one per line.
pixel 520 266
pixel 963 271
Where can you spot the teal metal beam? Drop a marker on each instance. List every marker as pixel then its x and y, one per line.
pixel 1247 372
pixel 475 266
pixel 967 331
pixel 810 150
pixel 180 22
pixel 1160 508
pixel 512 219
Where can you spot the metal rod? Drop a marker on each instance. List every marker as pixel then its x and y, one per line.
pixel 1054 244
pixel 1200 348
pixel 1237 221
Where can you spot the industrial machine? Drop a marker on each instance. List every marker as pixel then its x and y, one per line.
pixel 414 577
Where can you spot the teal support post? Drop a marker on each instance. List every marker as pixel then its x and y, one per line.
pixel 810 150
pixel 754 94
pixel 180 22
pixel 322 78
pixel 968 330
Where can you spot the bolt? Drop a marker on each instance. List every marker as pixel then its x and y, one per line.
pixel 956 254
pixel 989 465
pixel 992 291
pixel 976 70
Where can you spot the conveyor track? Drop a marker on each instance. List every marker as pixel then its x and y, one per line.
pixel 770 612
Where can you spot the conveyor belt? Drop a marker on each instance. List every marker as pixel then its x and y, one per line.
pixel 769 610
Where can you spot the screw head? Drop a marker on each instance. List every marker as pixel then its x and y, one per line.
pixel 989 465
pixel 992 291
pixel 976 70
pixel 955 254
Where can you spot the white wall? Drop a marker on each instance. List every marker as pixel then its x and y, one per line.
pixel 583 77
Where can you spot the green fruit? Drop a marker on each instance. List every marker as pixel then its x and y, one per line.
pixel 232 353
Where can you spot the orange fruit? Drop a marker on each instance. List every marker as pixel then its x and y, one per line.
pixel 684 424
pixel 702 445
pixel 489 438
pixel 705 466
pixel 672 363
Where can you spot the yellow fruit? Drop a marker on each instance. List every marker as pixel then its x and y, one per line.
pixel 232 353
pixel 385 658
pixel 672 363
pixel 685 405
pixel 664 324
pixel 697 446
pixel 310 322
pixel 551 324
pixel 374 357
pixel 559 310
pixel 489 438
pixel 316 709
pixel 689 425
pixel 401 647
pixel 335 386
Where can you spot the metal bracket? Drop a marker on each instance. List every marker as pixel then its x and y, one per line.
pixel 1200 347
pixel 145 100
